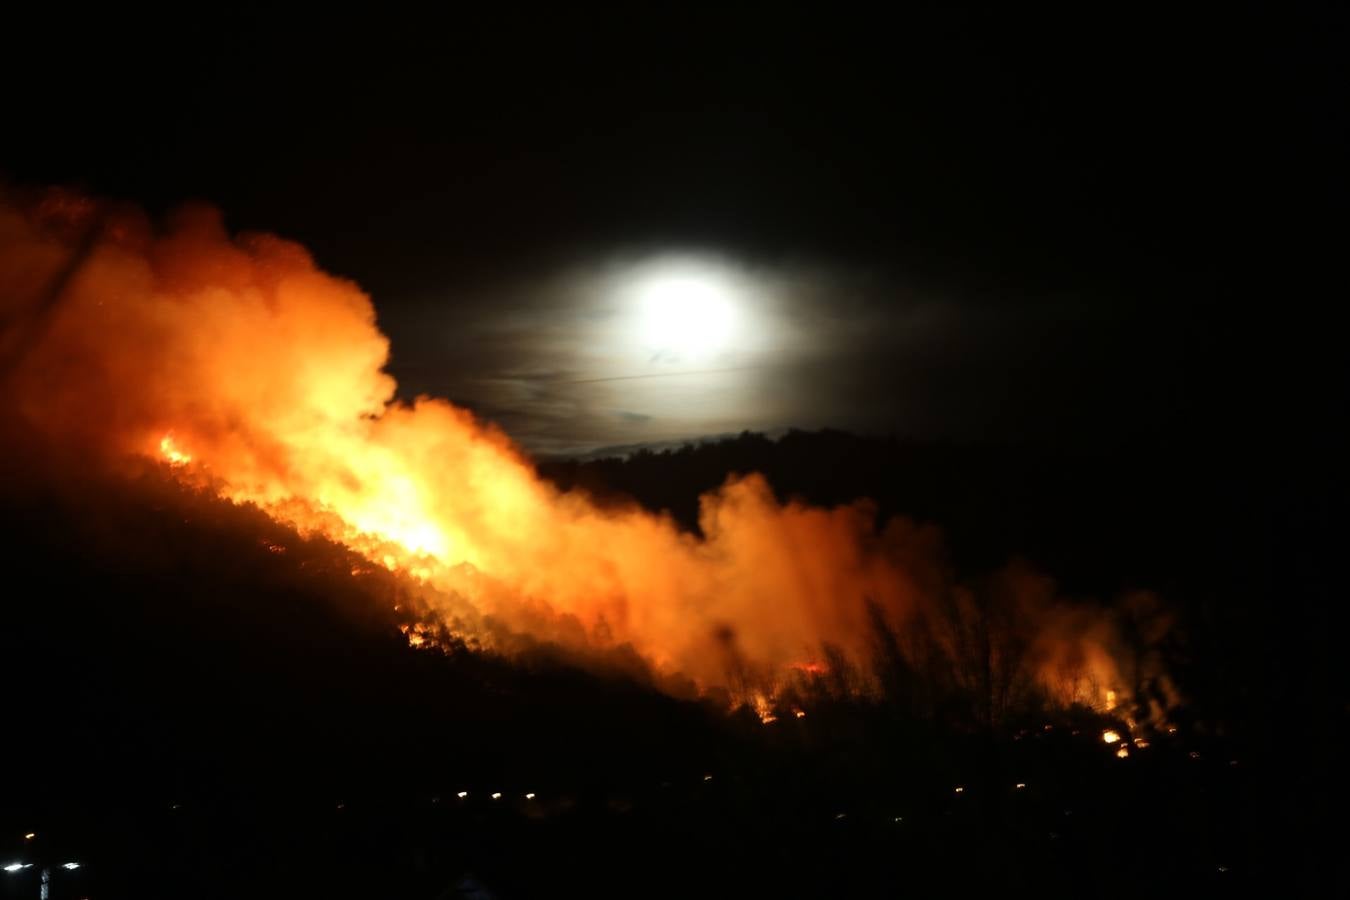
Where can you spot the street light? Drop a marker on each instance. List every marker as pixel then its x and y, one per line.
pixel 45 883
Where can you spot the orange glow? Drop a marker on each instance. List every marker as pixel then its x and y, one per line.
pixel 763 707
pixel 1123 752
pixel 1110 736
pixel 241 368
pixel 418 635
pixel 169 449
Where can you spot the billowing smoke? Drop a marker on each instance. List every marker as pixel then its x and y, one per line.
pixel 238 364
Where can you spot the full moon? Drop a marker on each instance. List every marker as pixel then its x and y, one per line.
pixel 684 312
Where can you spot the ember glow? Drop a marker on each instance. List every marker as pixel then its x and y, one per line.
pixel 172 455
pixel 246 370
pixel 763 707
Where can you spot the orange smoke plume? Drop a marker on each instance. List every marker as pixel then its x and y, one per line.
pixel 239 365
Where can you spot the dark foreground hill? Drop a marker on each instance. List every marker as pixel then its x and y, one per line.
pixel 192 712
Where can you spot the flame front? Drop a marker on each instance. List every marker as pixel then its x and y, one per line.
pixel 241 366
pixel 168 448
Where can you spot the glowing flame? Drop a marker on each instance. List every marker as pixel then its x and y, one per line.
pixel 169 450
pixel 272 373
pixel 1110 736
pixel 418 635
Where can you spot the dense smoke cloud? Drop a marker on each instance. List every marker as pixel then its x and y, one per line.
pixel 239 365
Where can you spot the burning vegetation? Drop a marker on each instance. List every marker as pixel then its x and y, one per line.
pixel 248 373
pixel 235 533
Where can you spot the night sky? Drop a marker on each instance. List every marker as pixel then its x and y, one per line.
pixel 1098 228
pixel 1062 611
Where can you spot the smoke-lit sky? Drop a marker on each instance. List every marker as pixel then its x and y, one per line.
pixel 1069 226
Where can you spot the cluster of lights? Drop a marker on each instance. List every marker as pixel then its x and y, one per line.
pixel 1109 736
pixel 495 795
